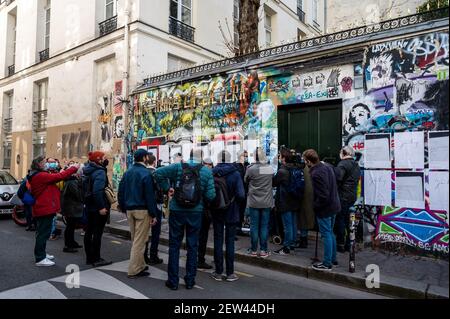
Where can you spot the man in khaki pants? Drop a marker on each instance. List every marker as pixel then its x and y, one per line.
pixel 137 199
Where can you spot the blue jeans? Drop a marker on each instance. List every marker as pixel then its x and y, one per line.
pixel 259 228
pixel 156 233
pixel 329 240
pixel 230 234
pixel 290 228
pixel 178 222
pixel 54 222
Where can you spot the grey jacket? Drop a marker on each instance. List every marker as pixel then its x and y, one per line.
pixel 259 178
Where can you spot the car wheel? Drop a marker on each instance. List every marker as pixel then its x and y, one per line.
pixel 19 216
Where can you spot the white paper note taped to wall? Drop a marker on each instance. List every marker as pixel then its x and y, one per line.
pixel 153 150
pixel 206 152
pixel 438 147
pixel 164 154
pixel 175 149
pixel 377 151
pixel 250 146
pixel 438 188
pixel 409 150
pixel 216 148
pixel 233 149
pixel 377 188
pixel 409 190
pixel 186 151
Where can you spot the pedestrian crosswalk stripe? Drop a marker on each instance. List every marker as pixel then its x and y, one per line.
pixel 38 290
pixel 99 280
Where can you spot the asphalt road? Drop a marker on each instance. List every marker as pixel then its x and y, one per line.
pixel 20 278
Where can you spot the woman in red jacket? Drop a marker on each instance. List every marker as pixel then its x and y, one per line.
pixel 47 205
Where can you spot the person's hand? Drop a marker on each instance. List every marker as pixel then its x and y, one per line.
pixel 103 211
pixel 153 221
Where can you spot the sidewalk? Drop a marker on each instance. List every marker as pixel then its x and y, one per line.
pixel 400 276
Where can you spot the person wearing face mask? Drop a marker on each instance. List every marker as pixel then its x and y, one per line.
pixel 326 205
pixel 47 204
pixel 97 207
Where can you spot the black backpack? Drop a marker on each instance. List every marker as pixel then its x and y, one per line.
pixel 188 191
pixel 86 188
pixel 223 200
pixel 159 193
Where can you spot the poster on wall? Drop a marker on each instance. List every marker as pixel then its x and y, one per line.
pixel 438 189
pixel 186 149
pixel 164 154
pixel 409 190
pixel 377 188
pixel 438 147
pixel 154 150
pixel 409 150
pixel 174 150
pixel 216 148
pixel 377 151
pixel 250 146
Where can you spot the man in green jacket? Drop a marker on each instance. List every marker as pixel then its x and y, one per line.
pixel 194 187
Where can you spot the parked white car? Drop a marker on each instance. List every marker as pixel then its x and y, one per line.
pixel 8 193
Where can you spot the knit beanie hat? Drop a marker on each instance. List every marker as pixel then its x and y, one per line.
pixel 96 156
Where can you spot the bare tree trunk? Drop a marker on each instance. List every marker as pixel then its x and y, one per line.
pixel 248 26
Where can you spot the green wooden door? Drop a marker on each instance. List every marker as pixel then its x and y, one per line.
pixel 316 126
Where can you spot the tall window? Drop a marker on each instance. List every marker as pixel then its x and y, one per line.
pixel 268 28
pixel 47 25
pixel 315 10
pixel 300 4
pixel 236 22
pixel 110 8
pixel 40 118
pixel 181 10
pixel 7 129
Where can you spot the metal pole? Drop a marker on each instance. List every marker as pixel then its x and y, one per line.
pixel 352 263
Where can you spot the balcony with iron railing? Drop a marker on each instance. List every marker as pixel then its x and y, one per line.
pixel 7 126
pixel 301 14
pixel 181 30
pixel 44 55
pixel 40 120
pixel 11 70
pixel 108 26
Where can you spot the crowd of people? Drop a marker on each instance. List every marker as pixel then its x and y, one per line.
pixel 303 194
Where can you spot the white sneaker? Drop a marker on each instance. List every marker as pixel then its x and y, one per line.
pixel 45 263
pixel 50 257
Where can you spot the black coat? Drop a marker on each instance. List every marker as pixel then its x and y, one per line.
pixel 72 198
pixel 326 197
pixel 285 201
pixel 347 175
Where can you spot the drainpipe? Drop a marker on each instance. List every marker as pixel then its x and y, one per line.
pixel 126 73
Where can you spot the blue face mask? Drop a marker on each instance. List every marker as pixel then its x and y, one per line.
pixel 51 166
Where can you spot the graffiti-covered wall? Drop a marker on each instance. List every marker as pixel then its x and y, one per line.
pixel 401 86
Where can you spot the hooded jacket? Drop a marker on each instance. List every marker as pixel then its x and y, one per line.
pixel 72 201
pixel 98 180
pixel 235 189
pixel 46 193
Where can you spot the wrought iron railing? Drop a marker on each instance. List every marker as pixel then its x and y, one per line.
pixel 108 26
pixel 181 30
pixel 44 55
pixel 300 46
pixel 40 120
pixel 7 126
pixel 8 2
pixel 11 69
pixel 301 14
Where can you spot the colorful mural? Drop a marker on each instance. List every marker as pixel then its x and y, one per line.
pixel 404 88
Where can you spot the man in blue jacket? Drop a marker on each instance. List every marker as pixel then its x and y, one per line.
pixel 228 219
pixel 183 217
pixel 137 199
pixel 326 206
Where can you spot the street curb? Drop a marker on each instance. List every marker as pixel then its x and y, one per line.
pixel 388 287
